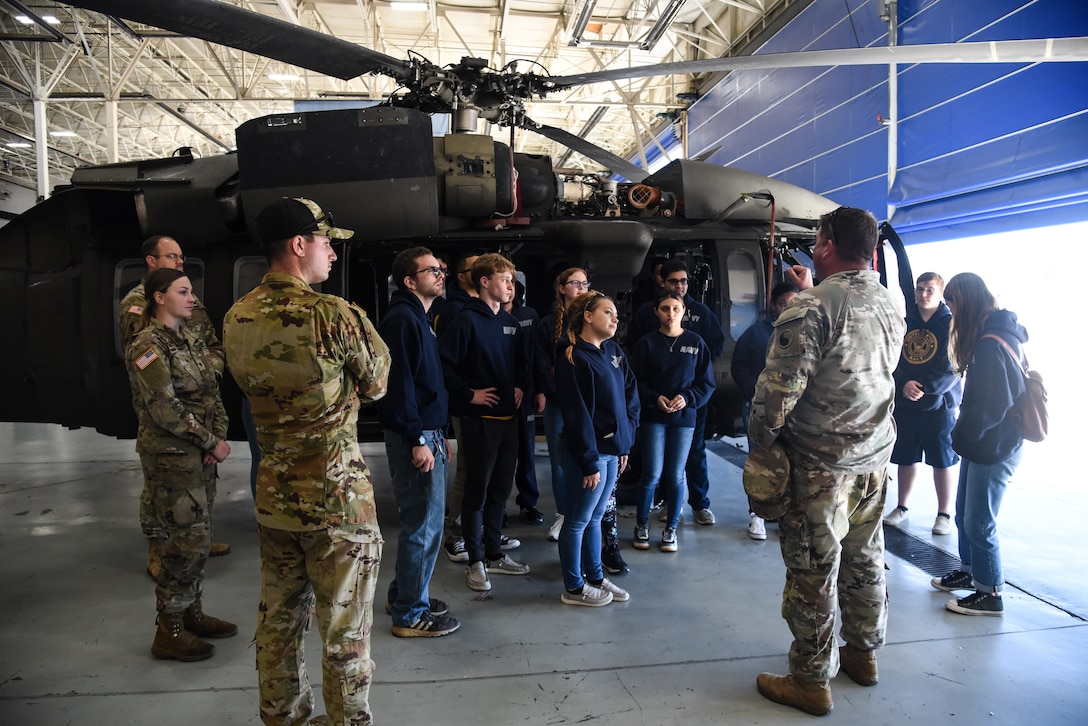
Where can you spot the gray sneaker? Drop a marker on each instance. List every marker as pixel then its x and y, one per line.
pixel 642 537
pixel 704 517
pixel 506 566
pixel 476 575
pixel 668 540
pixel 618 593
pixel 593 597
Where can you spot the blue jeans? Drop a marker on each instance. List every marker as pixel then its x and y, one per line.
pixel 553 431
pixel 421 499
pixel 254 450
pixel 978 499
pixel 580 537
pixel 664 453
pixel 697 470
pixel 525 476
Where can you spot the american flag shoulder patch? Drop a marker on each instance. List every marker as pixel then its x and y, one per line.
pixel 136 309
pixel 147 359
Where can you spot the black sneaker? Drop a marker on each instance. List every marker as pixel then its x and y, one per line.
pixel 980 603
pixel 455 550
pixel 954 580
pixel 613 563
pixel 437 607
pixel 531 515
pixel 428 626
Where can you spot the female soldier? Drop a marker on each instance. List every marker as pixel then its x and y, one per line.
pixel 599 402
pixel 182 435
pixel 986 435
pixel 673 369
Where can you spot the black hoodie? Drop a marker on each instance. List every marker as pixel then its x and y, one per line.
pixel 988 430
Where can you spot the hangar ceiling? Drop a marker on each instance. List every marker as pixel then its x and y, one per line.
pixel 170 91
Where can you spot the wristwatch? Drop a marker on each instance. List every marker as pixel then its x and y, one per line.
pixel 422 440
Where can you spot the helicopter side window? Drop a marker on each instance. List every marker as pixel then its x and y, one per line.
pixel 248 273
pixel 744 303
pixel 129 272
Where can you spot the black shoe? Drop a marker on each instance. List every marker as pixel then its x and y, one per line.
pixel 428 626
pixel 980 603
pixel 438 607
pixel 531 515
pixel 613 563
pixel 954 580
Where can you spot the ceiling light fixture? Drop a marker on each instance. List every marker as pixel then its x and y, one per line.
pixel 63 133
pixel 581 22
pixel 25 20
pixel 19 145
pixel 663 22
pixel 285 77
pixel 409 7
pixel 51 19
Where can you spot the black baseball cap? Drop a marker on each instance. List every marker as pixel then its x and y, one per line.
pixel 287 217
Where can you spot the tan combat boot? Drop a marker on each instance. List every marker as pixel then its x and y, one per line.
pixel 154 562
pixel 859 664
pixel 205 626
pixel 814 698
pixel 172 640
pixel 218 549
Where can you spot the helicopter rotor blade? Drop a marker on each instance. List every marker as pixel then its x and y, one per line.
pixel 588 149
pixel 999 51
pixel 252 32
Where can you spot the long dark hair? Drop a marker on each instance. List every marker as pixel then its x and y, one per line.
pixel 973 302
pixel 560 312
pixel 158 280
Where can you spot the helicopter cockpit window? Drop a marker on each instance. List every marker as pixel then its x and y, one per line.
pixel 128 274
pixel 744 303
pixel 248 273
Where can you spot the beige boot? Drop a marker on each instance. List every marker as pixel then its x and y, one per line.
pixel 814 698
pixel 218 549
pixel 172 640
pixel 205 626
pixel 859 664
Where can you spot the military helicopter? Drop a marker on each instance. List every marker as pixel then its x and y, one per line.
pixel 67 262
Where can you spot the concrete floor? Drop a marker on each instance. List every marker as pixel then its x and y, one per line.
pixel 78 617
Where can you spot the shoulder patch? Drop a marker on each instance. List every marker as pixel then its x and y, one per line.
pixel 147 359
pixel 786 339
pixel 136 309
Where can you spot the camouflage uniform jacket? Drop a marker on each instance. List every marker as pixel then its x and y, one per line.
pixel 828 389
pixel 130 317
pixel 175 392
pixel 304 359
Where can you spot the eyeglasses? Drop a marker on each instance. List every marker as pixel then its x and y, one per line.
pixel 831 223
pixel 926 290
pixel 172 256
pixel 577 284
pixel 677 281
pixel 436 271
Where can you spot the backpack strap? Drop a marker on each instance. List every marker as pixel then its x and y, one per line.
pixel 1021 365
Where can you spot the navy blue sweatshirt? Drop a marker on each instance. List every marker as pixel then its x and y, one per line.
pixel 666 367
pixel 598 397
pixel 454 302
pixel 750 356
pixel 528 320
pixel 548 348
pixel 988 430
pixel 482 349
pixel 697 318
pixel 925 359
pixel 416 400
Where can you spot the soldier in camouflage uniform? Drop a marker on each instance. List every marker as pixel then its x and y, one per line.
pixel 182 435
pixel 826 395
pixel 161 251
pixel 306 361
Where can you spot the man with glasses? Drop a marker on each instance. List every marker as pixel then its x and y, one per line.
pixel 307 361
pixel 161 250
pixel 699 319
pixel 826 399
pixel 413 416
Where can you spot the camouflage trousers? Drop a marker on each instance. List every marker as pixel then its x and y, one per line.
pixel 833 548
pixel 179 491
pixel 334 573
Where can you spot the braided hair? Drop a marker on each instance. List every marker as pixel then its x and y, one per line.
pixel 560 312
pixel 587 302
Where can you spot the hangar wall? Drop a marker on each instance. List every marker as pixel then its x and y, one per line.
pixel 980 148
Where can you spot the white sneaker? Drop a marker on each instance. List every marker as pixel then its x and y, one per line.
pixel 476 576
pixel 618 593
pixel 506 566
pixel 943 524
pixel 593 597
pixel 898 517
pixel 756 528
pixel 553 531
